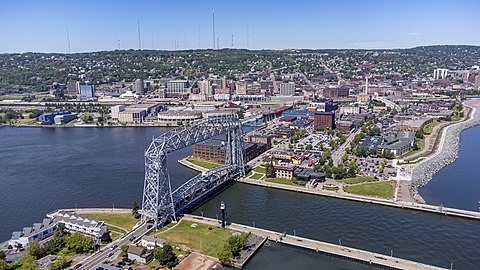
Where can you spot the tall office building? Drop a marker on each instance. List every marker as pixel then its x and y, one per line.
pixel 177 88
pixel 287 89
pixel 138 87
pixel 85 90
pixel 205 88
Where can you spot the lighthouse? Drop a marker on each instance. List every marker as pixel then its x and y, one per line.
pixel 222 208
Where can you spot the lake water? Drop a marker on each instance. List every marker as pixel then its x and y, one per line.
pixel 43 169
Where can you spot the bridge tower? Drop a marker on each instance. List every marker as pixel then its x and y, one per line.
pixel 160 204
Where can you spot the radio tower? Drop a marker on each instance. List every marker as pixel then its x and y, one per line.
pixel 213 25
pixel 139 42
pixel 68 40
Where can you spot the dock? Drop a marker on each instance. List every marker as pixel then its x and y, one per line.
pixel 319 246
pixel 398 204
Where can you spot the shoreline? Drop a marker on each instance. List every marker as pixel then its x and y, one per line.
pixel 424 171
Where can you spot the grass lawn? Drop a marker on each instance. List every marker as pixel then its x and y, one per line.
pixel 207 239
pixel 357 180
pixel 384 190
pixel 283 181
pixel 256 176
pixel 126 221
pixel 260 169
pixel 203 163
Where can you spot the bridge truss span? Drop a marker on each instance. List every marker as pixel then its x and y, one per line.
pixel 159 202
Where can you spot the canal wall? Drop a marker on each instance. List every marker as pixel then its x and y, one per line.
pixel 319 246
pixel 398 204
pixel 447 153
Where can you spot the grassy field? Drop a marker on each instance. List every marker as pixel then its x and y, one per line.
pixel 203 163
pixel 357 180
pixel 259 169
pixel 126 221
pixel 384 190
pixel 207 239
pixel 330 188
pixel 256 176
pixel 283 181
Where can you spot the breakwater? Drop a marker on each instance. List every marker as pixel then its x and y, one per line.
pixel 447 153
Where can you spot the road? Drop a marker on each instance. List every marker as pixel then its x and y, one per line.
pixel 338 154
pixel 100 256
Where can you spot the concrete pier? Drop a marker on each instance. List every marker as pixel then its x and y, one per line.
pixel 398 204
pixel 319 246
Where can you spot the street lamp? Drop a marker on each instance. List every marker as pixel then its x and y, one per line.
pixel 202 213
pixel 294 233
pixel 113 207
pixel 451 266
pixel 391 253
pixel 217 217
pixel 340 242
pixel 253 224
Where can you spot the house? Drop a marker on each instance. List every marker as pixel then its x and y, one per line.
pixel 139 254
pixel 150 242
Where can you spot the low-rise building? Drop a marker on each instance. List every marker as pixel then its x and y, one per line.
pixel 82 224
pixel 284 170
pixel 151 242
pixel 307 174
pixel 49 118
pixel 138 254
pixel 37 232
pixel 178 118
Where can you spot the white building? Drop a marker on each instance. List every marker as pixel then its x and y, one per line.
pixel 37 232
pixel 82 224
pixel 150 242
pixel 178 118
pixel 440 73
pixel 115 110
pixel 287 89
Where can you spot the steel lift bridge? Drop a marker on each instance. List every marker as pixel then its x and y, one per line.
pixel 160 204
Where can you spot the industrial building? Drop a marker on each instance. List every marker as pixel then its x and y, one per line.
pixel 216 151
pixel 57 117
pixel 324 120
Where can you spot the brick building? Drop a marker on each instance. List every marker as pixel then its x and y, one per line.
pixel 324 120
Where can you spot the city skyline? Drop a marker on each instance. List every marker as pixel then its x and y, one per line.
pixel 89 26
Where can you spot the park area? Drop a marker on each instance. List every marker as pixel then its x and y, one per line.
pixel 204 164
pixel 208 240
pixel 384 190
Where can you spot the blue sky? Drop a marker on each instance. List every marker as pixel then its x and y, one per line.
pixel 95 25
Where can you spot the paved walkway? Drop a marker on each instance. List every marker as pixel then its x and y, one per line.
pixel 342 251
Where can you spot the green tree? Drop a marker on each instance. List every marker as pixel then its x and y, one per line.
pixel 29 263
pixel 2 255
pixel 3 264
pixel 79 243
pixel 308 147
pixel 36 250
pixel 135 209
pixel 225 256
pixel 124 251
pixel 164 255
pixel 269 170
pixel 59 264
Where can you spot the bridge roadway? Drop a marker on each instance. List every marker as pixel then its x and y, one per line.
pixel 414 206
pixel 319 246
